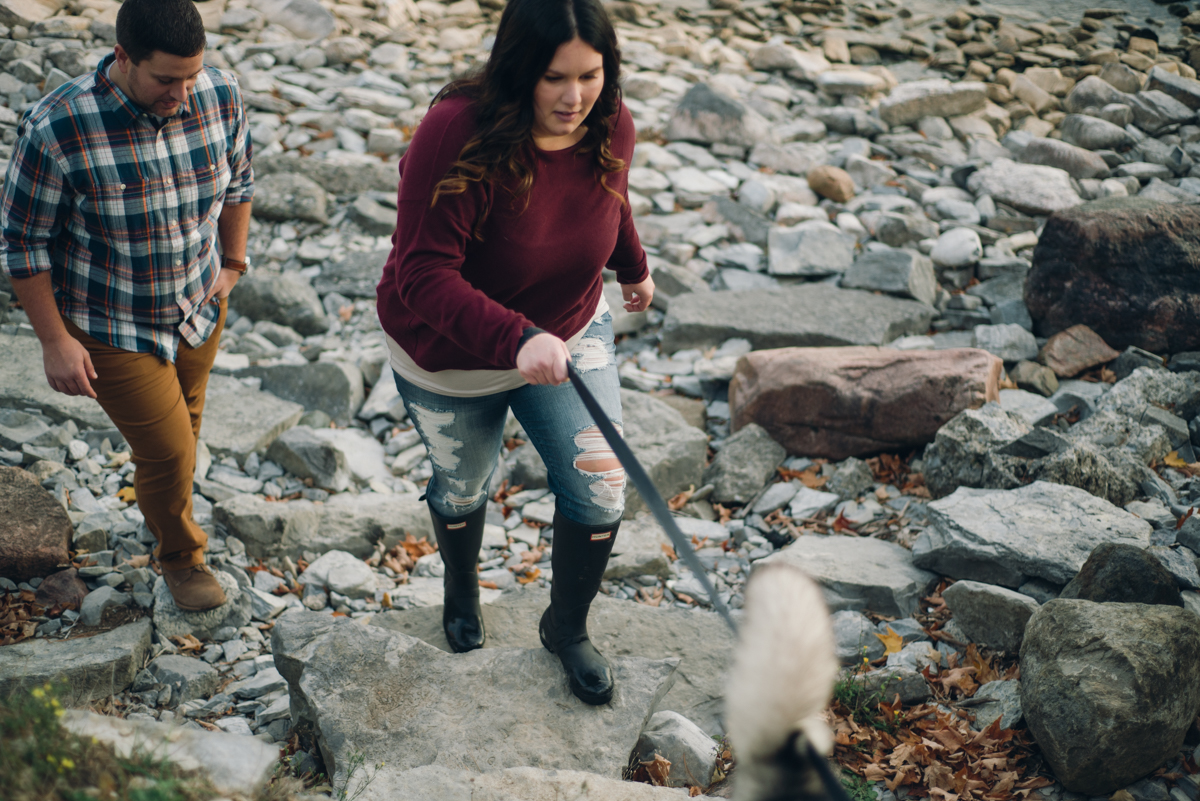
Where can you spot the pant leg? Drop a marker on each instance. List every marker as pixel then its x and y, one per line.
pixel 141 394
pixel 193 366
pixel 567 438
pixel 463 437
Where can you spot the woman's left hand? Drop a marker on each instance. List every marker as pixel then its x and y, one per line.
pixel 638 296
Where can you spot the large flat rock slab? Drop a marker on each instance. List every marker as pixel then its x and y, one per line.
pixel 811 315
pixel 24 386
pixel 95 667
pixel 513 784
pixel 396 699
pixel 35 530
pixel 352 523
pixel 698 638
pixel 859 573
pixel 671 451
pixel 841 402
pixel 1004 537
pixel 239 420
pixel 235 764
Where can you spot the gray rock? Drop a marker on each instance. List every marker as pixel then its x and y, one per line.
pixel 1185 90
pixel 1093 92
pixel 957 247
pixel 303 454
pixel 812 315
pixel 343 573
pixel 365 690
pixel 696 637
pixel 333 387
pixel 812 248
pixel 91 611
pixel 24 387
pixel 1188 535
pixel 1123 573
pixel 793 158
pixel 1029 188
pixel 936 97
pixel 1004 536
pixel 235 765
pixel 1109 690
pixel 287 196
pixel 355 276
pixel 1132 358
pixel 284 298
pixel 691 752
pixel 189 677
pixel 1154 110
pixel 859 573
pixel 708 117
pixel 171 621
pixel 18 428
pixel 991 616
pixel 1000 699
pixel 95 667
pixel 851 479
pixel 891 681
pixel 1077 161
pixel 744 464
pixel 1111 429
pixel 337 177
pixel 1029 406
pixel 1180 563
pixel 306 19
pixel 962 453
pixel 264 682
pixel 855 637
pixel 1085 466
pixel 1092 133
pixel 352 523
pixel 529 469
pixel 808 502
pixel 896 272
pixel 638 563
pixel 375 218
pixel 777 496
pixel 239 421
pixel 672 452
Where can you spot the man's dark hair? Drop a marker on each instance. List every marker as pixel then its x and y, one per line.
pixel 172 26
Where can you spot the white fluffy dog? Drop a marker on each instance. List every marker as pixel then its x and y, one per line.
pixel 782 680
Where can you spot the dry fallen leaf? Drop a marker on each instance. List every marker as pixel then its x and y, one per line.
pixel 187 643
pixel 141 560
pixel 127 494
pixel 892 642
pixel 531 576
pixel 1172 460
pixel 679 501
pixel 658 768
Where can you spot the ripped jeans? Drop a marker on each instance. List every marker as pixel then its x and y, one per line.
pixel 463 436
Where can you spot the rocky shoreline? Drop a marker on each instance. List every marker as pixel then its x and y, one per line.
pixel 963 242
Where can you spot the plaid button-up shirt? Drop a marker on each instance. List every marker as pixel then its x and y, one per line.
pixel 121 207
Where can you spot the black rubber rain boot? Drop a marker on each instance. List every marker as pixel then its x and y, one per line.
pixel 579 556
pixel 459 539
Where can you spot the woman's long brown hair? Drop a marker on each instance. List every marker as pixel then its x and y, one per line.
pixel 502 152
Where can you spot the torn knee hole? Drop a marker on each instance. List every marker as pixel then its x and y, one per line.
pixel 597 461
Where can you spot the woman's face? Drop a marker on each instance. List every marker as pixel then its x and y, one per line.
pixel 565 95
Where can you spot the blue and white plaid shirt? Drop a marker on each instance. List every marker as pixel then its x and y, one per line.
pixel 121 207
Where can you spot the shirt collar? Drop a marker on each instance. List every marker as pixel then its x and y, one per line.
pixel 119 102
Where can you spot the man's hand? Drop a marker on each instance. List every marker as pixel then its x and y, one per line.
pixel 68 366
pixel 543 360
pixel 638 296
pixel 225 281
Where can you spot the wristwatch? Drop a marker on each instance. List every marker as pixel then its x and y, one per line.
pixel 235 265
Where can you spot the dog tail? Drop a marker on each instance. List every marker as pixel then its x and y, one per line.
pixel 785 667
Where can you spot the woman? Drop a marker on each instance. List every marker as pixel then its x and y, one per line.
pixel 513 198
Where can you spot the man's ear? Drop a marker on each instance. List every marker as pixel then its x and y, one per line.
pixel 123 59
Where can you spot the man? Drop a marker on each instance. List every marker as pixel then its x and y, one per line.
pixel 120 185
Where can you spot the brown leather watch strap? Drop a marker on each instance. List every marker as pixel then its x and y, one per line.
pixel 233 264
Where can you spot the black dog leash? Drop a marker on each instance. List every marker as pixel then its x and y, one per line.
pixel 683 548
pixel 658 507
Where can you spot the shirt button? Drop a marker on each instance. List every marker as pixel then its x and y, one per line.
pixel 169 182
pixel 122 186
pixel 178 262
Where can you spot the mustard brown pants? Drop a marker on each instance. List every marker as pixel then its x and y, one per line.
pixel 157 406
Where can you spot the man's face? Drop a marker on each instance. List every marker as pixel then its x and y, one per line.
pixel 161 82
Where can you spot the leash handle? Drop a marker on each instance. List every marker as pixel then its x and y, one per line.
pixel 658 507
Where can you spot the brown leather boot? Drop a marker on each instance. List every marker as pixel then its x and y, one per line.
pixel 194 588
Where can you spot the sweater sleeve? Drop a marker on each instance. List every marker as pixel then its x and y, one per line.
pixel 431 245
pixel 628 258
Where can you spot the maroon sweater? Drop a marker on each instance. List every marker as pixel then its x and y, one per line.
pixel 455 302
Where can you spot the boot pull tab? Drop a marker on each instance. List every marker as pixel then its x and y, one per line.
pixel 453 526
pixel 600 536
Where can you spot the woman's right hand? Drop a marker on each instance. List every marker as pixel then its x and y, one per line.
pixel 543 360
